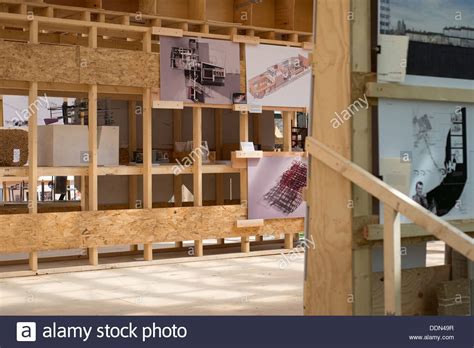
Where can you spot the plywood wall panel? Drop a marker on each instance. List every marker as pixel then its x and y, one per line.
pixel 50 231
pixel 68 64
pixel 119 67
pixel 28 62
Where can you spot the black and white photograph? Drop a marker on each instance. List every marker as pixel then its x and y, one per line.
pixel 441 34
pixel 199 70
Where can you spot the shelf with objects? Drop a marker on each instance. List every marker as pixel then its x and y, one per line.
pixel 165 178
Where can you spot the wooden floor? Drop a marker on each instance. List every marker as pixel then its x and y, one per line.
pixel 256 285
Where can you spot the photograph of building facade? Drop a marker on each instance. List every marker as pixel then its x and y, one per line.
pixel 441 44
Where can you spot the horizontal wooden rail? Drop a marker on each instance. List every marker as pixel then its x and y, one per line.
pixel 395 203
pixel 70 18
pixel 405 92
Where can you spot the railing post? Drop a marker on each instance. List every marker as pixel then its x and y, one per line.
pixel 392 261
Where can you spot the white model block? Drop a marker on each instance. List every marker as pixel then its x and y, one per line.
pixel 68 145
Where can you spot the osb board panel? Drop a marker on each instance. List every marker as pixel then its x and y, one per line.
pixel 175 8
pixel 119 67
pixel 45 63
pixel 220 10
pixel 13 141
pixel 418 290
pixel 67 64
pixel 50 231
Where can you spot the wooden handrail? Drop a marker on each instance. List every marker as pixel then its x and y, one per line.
pixel 395 203
pixel 454 237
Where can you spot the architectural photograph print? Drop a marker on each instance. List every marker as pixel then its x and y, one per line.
pixel 199 70
pixel 439 145
pixel 441 41
pixel 276 187
pixel 278 76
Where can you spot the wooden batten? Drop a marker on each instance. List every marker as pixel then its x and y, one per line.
pixel 250 223
pixel 197 171
pixel 161 31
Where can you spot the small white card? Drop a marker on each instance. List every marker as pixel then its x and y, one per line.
pixel 255 109
pixel 247 146
pixel 392 60
pixel 16 155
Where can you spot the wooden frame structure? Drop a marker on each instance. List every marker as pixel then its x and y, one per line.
pixel 105 53
pixel 339 278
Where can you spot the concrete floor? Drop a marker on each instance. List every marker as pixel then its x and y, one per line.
pixel 234 286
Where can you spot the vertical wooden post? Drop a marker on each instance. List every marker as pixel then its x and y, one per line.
pixel 178 179
pixel 392 261
pixel 287 117
pixel 197 170
pixel 328 281
pixel 132 147
pixel 147 163
pixel 256 139
pixel 244 136
pixel 33 32
pixel 33 161
pixel 93 180
pixel 361 150
pixel 218 119
pixel 92 36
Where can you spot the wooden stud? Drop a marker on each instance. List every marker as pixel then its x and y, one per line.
pixel 147 163
pixel 177 179
pixel 92 174
pixel 244 136
pixel 132 147
pixel 33 261
pixel 33 32
pixel 33 161
pixel 92 36
pixel 289 241
pixel 328 282
pixel 392 262
pixel 287 117
pixel 147 41
pixel 197 170
pixel 218 115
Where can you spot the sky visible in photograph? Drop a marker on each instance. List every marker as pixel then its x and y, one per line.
pixel 432 15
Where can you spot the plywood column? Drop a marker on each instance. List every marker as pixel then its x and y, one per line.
pixel 147 164
pixel 328 281
pixel 244 136
pixel 218 115
pixel 33 161
pixel 178 179
pixel 361 149
pixel 132 147
pixel 197 170
pixel 93 180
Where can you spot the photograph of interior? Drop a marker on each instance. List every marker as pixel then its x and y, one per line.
pixel 236 157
